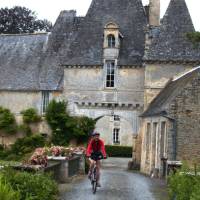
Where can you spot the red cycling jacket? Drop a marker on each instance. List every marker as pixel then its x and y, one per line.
pixel 96 146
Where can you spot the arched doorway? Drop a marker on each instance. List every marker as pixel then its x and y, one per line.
pixel 115 130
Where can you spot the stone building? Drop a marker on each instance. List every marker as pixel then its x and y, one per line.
pixel 171 125
pixel 108 64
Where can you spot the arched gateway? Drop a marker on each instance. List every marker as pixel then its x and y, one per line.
pixel 116 125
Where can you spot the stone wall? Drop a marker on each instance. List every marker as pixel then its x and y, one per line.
pixel 156 77
pixel 84 88
pixel 106 125
pixel 88 85
pixel 18 101
pixel 185 109
pixel 154 145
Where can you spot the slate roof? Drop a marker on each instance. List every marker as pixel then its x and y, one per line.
pixel 36 61
pixel 63 33
pixel 172 43
pixel 32 61
pixel 159 105
pixel 19 60
pixel 87 48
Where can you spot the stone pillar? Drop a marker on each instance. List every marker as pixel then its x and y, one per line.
pixel 154 12
pixel 82 165
pixel 134 148
pixel 63 171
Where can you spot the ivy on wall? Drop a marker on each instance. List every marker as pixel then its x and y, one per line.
pixel 7 121
pixel 194 37
pixel 30 116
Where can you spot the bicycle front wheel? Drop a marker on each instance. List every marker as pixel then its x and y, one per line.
pixel 94 186
pixel 94 181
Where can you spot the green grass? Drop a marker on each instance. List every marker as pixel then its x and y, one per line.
pixel 9 163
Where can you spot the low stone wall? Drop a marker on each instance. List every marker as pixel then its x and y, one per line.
pixel 63 169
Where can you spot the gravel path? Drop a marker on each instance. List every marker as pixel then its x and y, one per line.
pixel 117 184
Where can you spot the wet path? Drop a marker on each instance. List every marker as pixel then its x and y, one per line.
pixel 117 184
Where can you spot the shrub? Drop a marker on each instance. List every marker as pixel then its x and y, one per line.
pixel 25 129
pixel 32 186
pixel 118 151
pixel 7 121
pixel 196 192
pixel 184 185
pixel 22 147
pixel 6 191
pixel 84 126
pixel 30 116
pixel 65 127
pixel 27 144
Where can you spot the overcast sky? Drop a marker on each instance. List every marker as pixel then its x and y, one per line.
pixel 50 9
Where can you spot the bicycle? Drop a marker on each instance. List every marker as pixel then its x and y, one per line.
pixel 93 178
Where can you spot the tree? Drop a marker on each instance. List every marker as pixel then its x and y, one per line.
pixel 21 20
pixel 65 127
pixel 194 37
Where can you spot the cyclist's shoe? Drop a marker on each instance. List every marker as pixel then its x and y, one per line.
pixel 98 185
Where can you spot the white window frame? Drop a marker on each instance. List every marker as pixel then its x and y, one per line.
pixel 116 136
pixel 45 101
pixel 157 150
pixel 147 141
pixel 116 118
pixel 110 71
pixel 165 138
pixel 111 41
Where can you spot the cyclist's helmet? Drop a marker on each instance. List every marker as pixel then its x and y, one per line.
pixel 95 133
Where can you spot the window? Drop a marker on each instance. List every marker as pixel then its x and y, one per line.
pixel 163 143
pixel 116 136
pixel 116 118
pixel 45 100
pixel 110 74
pixel 111 41
pixel 157 149
pixel 147 142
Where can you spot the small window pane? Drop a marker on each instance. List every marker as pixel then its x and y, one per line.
pixel 116 118
pixel 116 136
pixel 111 41
pixel 110 77
pixel 45 100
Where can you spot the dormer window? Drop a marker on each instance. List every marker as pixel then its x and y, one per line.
pixel 112 36
pixel 111 40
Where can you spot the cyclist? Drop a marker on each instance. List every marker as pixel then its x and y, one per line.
pixel 95 151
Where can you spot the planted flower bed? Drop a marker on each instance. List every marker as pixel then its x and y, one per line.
pixel 42 155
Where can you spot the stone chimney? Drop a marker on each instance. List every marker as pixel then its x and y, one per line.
pixel 154 12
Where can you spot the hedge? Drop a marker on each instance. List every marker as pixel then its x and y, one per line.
pixel 119 151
